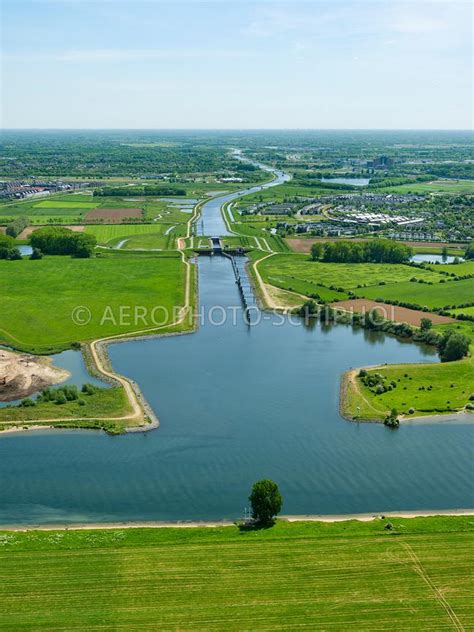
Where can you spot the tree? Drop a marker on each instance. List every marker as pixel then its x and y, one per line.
pixel 426 324
pixel 469 254
pixel 266 501
pixel 317 250
pixel 453 346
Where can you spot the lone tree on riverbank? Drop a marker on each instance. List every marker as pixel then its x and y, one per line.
pixel 266 501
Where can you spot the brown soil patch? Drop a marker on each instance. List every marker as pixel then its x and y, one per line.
pixel 392 312
pixel 24 374
pixel 2 230
pixel 113 215
pixel 30 229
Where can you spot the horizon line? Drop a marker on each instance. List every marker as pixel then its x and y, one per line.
pixel 245 129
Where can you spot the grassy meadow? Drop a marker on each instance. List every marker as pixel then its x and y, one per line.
pixel 341 275
pixel 313 576
pixel 427 388
pixel 433 296
pixel 38 297
pixel 104 402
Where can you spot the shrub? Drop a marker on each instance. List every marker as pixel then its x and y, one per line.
pixel 88 389
pixel 36 254
pixel 28 402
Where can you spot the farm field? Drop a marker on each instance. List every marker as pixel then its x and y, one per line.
pixel 32 318
pixel 341 275
pixel 452 383
pixel 347 575
pixel 392 312
pixel 451 293
pixel 303 244
pixel 441 186
pixel 114 215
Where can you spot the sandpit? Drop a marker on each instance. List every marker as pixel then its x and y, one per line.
pixel 22 374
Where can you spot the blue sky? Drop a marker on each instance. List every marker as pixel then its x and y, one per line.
pixel 237 64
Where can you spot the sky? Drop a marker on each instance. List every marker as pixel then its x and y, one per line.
pixel 237 64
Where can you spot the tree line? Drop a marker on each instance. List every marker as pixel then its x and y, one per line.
pixel 138 190
pixel 374 251
pixel 15 227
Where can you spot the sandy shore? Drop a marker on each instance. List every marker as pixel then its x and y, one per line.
pixel 362 517
pixel 20 428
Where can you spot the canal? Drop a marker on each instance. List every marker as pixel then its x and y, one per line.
pixel 239 403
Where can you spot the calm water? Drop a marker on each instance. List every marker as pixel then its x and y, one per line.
pixel 211 222
pixel 237 404
pixel 355 182
pixel 420 258
pixel 25 250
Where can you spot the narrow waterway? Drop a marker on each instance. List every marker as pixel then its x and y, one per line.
pixel 211 222
pixel 236 404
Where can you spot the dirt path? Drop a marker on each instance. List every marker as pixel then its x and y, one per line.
pixel 266 289
pixel 349 380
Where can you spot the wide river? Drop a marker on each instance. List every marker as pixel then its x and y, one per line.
pixel 236 404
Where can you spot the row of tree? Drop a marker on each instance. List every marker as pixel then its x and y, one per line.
pixel 373 251
pixel 57 240
pixel 149 190
pixel 15 227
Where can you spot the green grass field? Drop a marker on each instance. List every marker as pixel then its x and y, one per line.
pixel 441 186
pixel 452 383
pixel 306 288
pixel 66 205
pixel 347 276
pixel 113 232
pixel 138 236
pixel 464 310
pixel 433 296
pixel 38 297
pixel 313 576
pixel 102 403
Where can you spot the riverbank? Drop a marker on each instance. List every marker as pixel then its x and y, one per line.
pixel 211 524
pixel 137 415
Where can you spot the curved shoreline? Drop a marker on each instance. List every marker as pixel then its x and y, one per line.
pixel 193 524
pixel 348 379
